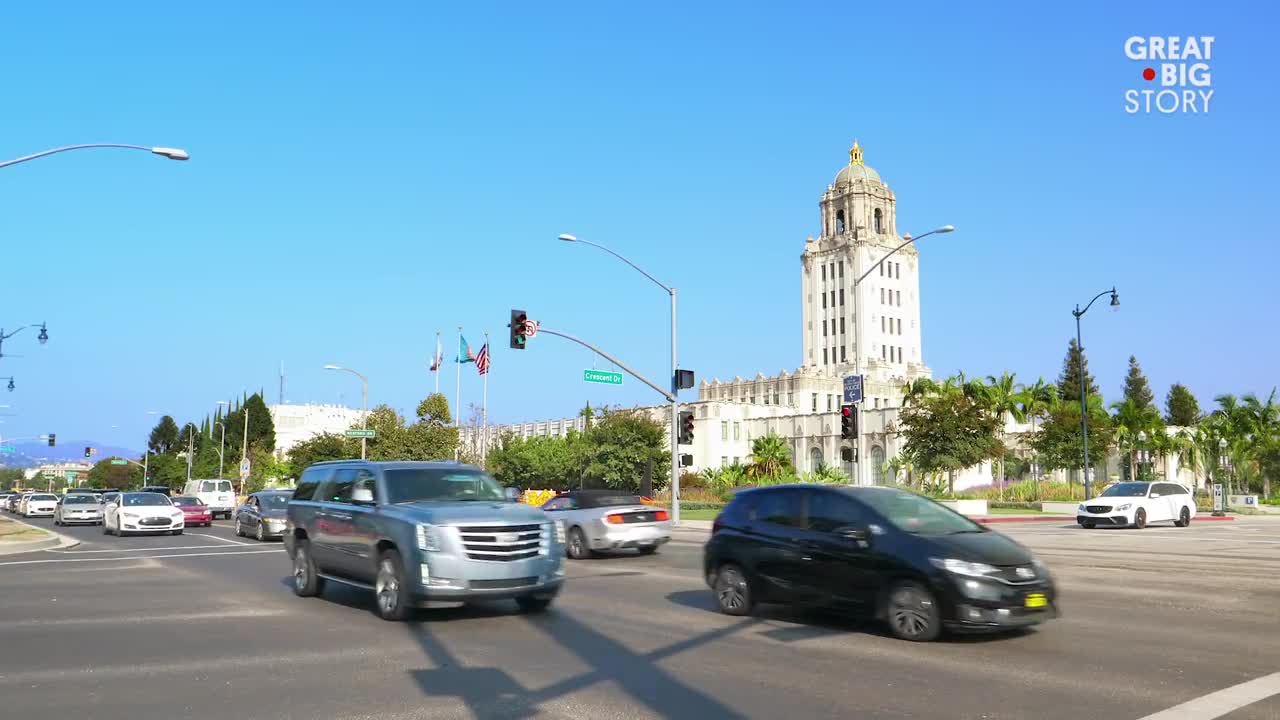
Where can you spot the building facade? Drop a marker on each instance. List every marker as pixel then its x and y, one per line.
pixel 298 423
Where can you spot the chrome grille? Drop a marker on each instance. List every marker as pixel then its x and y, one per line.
pixel 503 584
pixel 502 543
pixel 1098 508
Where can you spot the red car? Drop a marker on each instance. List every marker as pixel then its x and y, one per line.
pixel 194 512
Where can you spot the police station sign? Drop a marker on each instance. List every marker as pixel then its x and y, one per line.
pixel 1175 72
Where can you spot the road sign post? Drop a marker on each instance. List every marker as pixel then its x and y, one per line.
pixel 245 468
pixel 1217 500
pixel 118 461
pixel 603 377
pixel 853 389
pixel 366 434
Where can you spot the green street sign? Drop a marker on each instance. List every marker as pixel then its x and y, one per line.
pixel 118 461
pixel 361 434
pixel 71 476
pixel 604 377
pixel 7 449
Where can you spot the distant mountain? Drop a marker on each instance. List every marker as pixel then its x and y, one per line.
pixel 34 452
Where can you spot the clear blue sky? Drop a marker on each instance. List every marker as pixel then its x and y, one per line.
pixel 365 175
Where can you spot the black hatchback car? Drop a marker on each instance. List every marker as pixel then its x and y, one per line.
pixel 880 552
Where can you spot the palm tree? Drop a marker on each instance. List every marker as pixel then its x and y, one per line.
pixel 1132 423
pixel 1264 422
pixel 1007 399
pixel 1041 400
pixel 770 457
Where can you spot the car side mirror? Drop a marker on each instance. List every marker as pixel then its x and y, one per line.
pixel 362 496
pixel 861 536
pixel 512 494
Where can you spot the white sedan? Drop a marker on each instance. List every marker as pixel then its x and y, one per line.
pixel 139 512
pixel 1136 504
pixel 40 505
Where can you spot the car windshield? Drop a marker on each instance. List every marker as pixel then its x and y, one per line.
pixel 79 500
pixel 144 499
pixel 917 514
pixel 45 497
pixel 188 502
pixel 215 486
pixel 441 484
pixel 273 502
pixel 1126 489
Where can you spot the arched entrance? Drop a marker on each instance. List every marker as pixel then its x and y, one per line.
pixel 815 458
pixel 877 464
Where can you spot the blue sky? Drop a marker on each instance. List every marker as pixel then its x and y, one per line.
pixel 362 177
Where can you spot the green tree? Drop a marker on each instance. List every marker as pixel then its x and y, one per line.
pixel 11 478
pixel 539 462
pixel 1008 398
pixel 167 469
pixel 1136 427
pixel 323 448
pixel 262 429
pixel 164 436
pixel 770 458
pixel 1180 407
pixel 948 426
pixel 1059 444
pixel 1041 399
pixel 1074 365
pixel 103 474
pixel 1136 387
pixel 621 444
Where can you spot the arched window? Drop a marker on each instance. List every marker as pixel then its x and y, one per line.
pixel 815 458
pixel 879 221
pixel 878 469
pixel 839 222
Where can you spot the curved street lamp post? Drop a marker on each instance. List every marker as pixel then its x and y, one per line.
pixel 171 153
pixel 1084 401
pixel 364 404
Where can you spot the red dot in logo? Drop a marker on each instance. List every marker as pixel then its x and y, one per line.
pixel 1149 74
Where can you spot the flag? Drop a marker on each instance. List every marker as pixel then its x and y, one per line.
pixel 438 360
pixel 482 360
pixel 464 351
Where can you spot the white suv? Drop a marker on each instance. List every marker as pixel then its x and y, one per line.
pixel 217 494
pixel 1136 504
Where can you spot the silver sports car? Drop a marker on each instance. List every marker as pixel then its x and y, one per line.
pixel 597 520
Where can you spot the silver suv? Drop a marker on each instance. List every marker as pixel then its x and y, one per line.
pixel 413 532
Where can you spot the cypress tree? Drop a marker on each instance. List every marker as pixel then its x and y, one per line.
pixel 1136 387
pixel 1074 365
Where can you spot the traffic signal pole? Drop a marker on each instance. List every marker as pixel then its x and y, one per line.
pixel 675 419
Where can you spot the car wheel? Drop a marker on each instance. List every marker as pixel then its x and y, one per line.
pixel 1184 518
pixel 648 549
pixel 577 548
pixel 1088 525
pixel 390 588
pixel 239 530
pixel 534 603
pixel 913 613
pixel 106 529
pixel 1140 519
pixel 260 536
pixel 733 592
pixel 306 581
pixel 56 521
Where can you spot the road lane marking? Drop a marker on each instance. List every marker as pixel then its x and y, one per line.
pixel 1222 702
pixel 143 618
pixel 144 557
pixel 225 540
pixel 149 549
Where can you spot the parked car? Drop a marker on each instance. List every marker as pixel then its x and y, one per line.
pixel 1136 504
pixel 4 500
pixel 194 512
pixel 17 505
pixel 142 513
pixel 263 515
pixel 161 489
pixel 78 508
pixel 40 505
pixel 413 532
pixel 598 520
pixel 217 494
pixel 878 552
pixel 107 497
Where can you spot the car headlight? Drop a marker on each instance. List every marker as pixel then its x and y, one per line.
pixel 428 539
pixel 1124 507
pixel 964 567
pixel 1082 508
pixel 560 534
pixel 131 516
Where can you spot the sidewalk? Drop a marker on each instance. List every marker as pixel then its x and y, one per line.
pixel 47 540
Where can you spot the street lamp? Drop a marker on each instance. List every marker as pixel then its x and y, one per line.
pixel 907 239
pixel 171 153
pixel 43 337
pixel 675 388
pixel 364 405
pixel 1084 401
pixel 223 441
pixel 1224 465
pixel 1144 455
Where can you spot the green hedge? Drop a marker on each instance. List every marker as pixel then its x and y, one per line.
pixel 701 506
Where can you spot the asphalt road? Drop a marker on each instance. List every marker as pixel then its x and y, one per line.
pixel 204 626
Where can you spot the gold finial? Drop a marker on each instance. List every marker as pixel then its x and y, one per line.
pixel 855 153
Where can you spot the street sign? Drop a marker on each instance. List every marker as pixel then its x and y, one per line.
pixel 369 434
pixel 1217 497
pixel 7 449
pixel 71 477
pixel 604 377
pixel 118 461
pixel 853 388
pixel 244 469
pixel 530 328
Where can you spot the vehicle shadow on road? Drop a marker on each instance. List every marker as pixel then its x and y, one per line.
pixel 493 693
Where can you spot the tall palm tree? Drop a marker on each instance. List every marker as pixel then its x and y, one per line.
pixel 770 457
pixel 1007 399
pixel 1040 400
pixel 1132 421
pixel 1265 422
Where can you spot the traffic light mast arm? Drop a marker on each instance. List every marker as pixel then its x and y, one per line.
pixel 664 393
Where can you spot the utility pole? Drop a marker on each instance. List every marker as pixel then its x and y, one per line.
pixel 191 444
pixel 244 446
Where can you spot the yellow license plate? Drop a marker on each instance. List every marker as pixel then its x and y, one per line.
pixel 1036 600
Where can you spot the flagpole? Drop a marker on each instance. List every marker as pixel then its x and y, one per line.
pixel 484 403
pixel 438 360
pixel 457 398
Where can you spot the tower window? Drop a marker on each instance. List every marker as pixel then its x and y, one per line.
pixel 879 218
pixel 824 301
pixel 842 354
pixel 841 294
pixel 881 269
pixel 824 328
pixel 841 266
pixel 839 222
pixel 842 326
pixel 833 298
pixel 824 351
pixel 897 268
pixel 824 272
pixel 898 294
pixel 881 323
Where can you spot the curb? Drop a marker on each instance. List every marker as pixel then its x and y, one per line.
pixel 58 540
pixel 1017 519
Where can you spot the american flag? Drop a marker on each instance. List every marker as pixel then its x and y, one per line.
pixel 482 360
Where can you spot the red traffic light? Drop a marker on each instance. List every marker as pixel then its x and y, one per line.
pixel 846 411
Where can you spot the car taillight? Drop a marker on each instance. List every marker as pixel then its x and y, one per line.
pixel 715 526
pixel 662 515
pixel 613 519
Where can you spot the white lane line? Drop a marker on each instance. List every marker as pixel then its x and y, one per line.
pixel 134 550
pixel 144 557
pixel 225 540
pixel 1222 702
pixel 230 613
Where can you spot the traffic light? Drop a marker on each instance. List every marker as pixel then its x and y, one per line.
pixel 848 422
pixel 52 439
pixel 518 318
pixel 684 379
pixel 686 428
pixel 686 461
pixel 88 452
